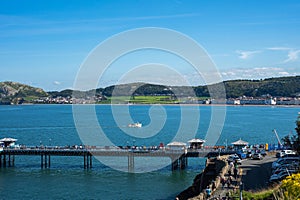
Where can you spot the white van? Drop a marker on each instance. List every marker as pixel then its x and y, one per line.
pixel 286 152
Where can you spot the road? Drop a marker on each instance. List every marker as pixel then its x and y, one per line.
pixel 256 173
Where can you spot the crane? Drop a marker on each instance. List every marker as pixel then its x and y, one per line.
pixel 274 130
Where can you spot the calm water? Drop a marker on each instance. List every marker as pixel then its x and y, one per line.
pixel 66 179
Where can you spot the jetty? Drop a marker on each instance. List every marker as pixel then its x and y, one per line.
pixel 178 157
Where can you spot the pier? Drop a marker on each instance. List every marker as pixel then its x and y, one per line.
pixel 179 158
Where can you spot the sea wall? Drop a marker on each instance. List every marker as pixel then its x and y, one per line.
pixel 210 176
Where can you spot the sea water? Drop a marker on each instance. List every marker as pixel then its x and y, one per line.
pixel 53 125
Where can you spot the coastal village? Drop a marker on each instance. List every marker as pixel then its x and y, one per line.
pixel 189 100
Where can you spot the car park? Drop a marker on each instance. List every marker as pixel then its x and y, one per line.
pixel 284 168
pixel 263 153
pixel 281 175
pixel 234 158
pixel 282 161
pixel 257 156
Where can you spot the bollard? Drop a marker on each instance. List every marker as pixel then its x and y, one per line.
pixel 241 190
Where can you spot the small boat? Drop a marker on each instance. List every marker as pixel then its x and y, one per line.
pixel 135 125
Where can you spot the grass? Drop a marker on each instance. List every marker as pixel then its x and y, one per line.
pixel 146 100
pixel 140 100
pixel 264 194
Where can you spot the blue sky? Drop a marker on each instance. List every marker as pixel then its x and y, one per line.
pixel 43 43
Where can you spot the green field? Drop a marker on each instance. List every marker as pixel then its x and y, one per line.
pixel 145 100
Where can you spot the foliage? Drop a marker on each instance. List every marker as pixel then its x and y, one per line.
pixel 264 194
pixel 297 139
pixel 291 187
pixel 294 140
pixel 277 87
pixel 261 195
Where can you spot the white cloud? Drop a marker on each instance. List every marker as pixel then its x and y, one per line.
pixel 279 48
pixel 292 56
pixel 246 54
pixel 256 73
pixel 56 83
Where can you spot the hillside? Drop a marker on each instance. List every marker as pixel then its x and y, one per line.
pixel 276 87
pixel 11 92
pixel 16 93
pixel 283 87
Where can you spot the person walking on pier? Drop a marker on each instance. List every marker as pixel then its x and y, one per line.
pixel 208 192
pixel 231 166
pixel 235 173
pixel 229 181
pixel 223 181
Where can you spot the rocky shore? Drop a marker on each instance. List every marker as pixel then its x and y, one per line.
pixel 210 176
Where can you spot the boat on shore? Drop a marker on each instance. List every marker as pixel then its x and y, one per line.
pixel 135 125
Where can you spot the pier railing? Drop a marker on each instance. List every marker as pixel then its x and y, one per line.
pixel 178 156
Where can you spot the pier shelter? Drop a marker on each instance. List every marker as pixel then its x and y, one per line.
pixel 196 143
pixel 8 141
pixel 177 145
pixel 239 144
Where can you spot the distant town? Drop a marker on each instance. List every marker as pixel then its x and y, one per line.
pixel 272 91
pixel 189 100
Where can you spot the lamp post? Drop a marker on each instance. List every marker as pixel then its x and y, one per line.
pixel 241 190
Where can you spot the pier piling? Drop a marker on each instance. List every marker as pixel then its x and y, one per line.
pixel 130 163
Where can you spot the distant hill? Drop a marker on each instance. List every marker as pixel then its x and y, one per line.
pixel 11 92
pixel 276 87
pixel 16 93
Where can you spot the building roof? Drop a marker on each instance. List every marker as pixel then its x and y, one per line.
pixel 196 140
pixel 176 144
pixel 8 140
pixel 240 143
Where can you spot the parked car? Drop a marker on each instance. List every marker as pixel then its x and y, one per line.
pixel 281 175
pixel 234 158
pixel 285 167
pixel 283 161
pixel 263 153
pixel 257 156
pixel 285 152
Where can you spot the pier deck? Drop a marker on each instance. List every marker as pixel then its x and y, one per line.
pixel 178 157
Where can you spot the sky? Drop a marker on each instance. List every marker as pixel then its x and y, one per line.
pixel 44 43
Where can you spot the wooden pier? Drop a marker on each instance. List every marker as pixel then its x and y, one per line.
pixel 179 158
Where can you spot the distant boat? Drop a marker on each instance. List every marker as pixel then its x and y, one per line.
pixel 135 125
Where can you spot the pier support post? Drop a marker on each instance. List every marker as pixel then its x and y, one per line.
pixel 91 157
pixel 0 161
pixel 46 161
pixel 175 165
pixel 9 160
pixel 13 160
pixel 87 161
pixel 183 162
pixel 49 161
pixel 42 164
pixel 4 160
pixel 130 163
